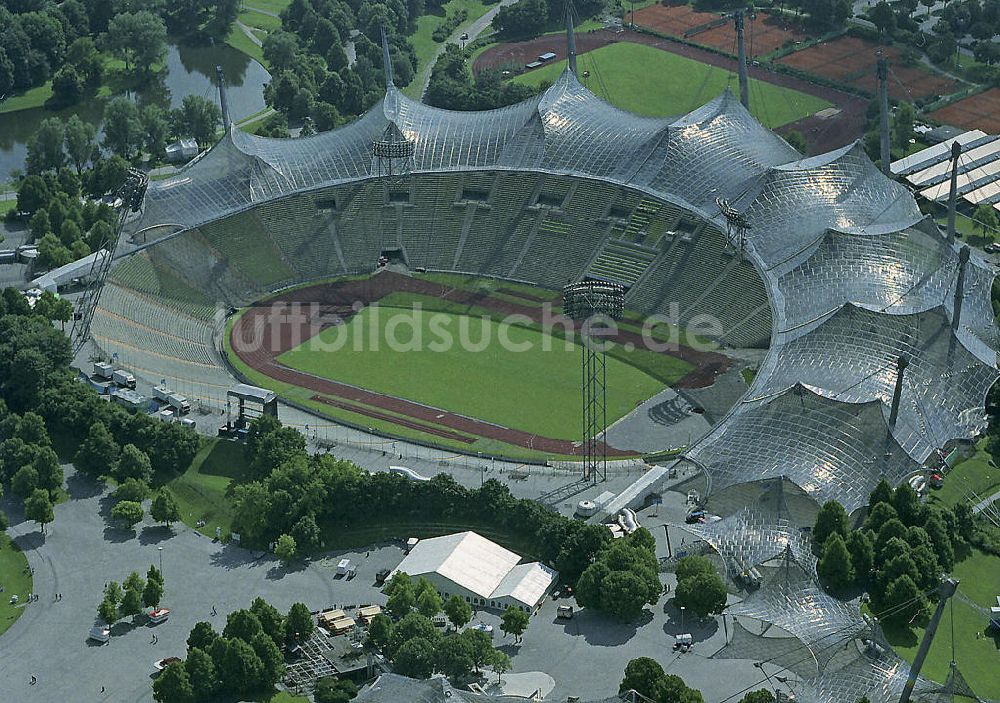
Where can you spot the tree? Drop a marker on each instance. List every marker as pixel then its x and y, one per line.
pixel 832 519
pixel 269 617
pixel 761 695
pixel 480 647
pixel 500 663
pixel 201 673
pixel 879 514
pixel 453 657
pixel 902 125
pixel 242 624
pixel 688 567
pixel 164 507
pixel 624 594
pixel 156 129
pixel 128 512
pixel 108 611
pixel 139 38
pixel 380 631
pixel 882 16
pixel 202 636
pixel 284 548
pixel 514 621
pixel 672 689
pixel 862 551
pixel 939 534
pixel 133 463
pixel 272 662
pixel 835 568
pixel 152 593
pixel 45 148
pixel 411 627
pixel 38 508
pixel 98 453
pixel 123 132
pixel 643 676
pixel 907 504
pixel 132 489
pixel 67 86
pixel 415 658
pixel 402 598
pixel 307 534
pixel 985 219
pixel 330 689
pixel 198 118
pixel 458 611
pixel 131 602
pixel 299 623
pixel 704 594
pixel 902 600
pixel 32 194
pixel 24 482
pixel 429 603
pixel 239 667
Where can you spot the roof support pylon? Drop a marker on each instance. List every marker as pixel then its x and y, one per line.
pixel 956 315
pixel 738 17
pixel 223 102
pixel 570 38
pixel 901 363
pixel 386 60
pixel 882 73
pixel 956 152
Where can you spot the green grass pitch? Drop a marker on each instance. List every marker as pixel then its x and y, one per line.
pixel 534 390
pixel 648 81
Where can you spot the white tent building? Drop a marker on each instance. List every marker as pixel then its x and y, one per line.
pixel 480 571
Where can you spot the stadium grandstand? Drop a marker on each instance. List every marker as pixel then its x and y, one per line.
pixel 882 343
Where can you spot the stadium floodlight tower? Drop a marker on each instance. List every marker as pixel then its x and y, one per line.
pixel 393 151
pixel 737 225
pixel 590 303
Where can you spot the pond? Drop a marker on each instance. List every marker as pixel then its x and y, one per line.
pixel 190 71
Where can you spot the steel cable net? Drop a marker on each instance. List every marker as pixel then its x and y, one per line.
pixel 830 449
pixel 851 356
pixel 748 538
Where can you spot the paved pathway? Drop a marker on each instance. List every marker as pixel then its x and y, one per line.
pixel 984 504
pixel 249 32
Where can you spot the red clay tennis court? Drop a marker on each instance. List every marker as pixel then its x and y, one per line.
pixel 980 111
pixel 764 34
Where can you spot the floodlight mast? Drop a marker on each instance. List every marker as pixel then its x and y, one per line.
pixel 586 302
pixel 738 17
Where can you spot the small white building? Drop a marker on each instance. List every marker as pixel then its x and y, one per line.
pixel 480 571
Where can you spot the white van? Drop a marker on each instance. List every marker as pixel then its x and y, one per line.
pixel 100 633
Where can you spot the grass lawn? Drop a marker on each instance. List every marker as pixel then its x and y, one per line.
pixel 974 473
pixel 241 42
pixel 283 697
pixel 619 73
pixel 978 659
pixel 6 206
pixel 967 231
pixel 15 581
pixel 490 383
pixel 201 490
pixel 275 6
pixel 260 20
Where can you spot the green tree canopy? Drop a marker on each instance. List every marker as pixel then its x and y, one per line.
pixel 514 621
pixel 835 569
pixel 173 685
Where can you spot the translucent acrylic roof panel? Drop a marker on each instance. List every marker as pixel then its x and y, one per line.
pixel 851 356
pixel 584 134
pixel 791 599
pixel 446 139
pixel 748 538
pixel 879 677
pixel 841 190
pixel 904 271
pixel 715 151
pixel 830 449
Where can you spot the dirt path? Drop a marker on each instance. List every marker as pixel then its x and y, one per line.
pixel 260 337
pixel 822 134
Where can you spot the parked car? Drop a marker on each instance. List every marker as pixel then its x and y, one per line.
pixel 565 612
pixel 100 633
pixel 483 627
pixel 161 664
pixel 992 248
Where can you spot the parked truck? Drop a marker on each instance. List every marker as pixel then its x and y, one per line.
pixel 103 370
pixel 123 379
pixel 166 396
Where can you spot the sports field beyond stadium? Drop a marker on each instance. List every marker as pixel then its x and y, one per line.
pixel 620 73
pixel 505 374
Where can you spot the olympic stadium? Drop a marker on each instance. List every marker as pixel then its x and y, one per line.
pixel 880 336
